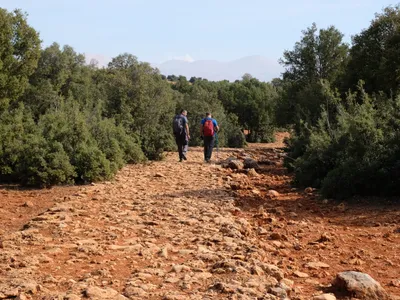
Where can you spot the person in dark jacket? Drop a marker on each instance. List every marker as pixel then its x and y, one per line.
pixel 180 127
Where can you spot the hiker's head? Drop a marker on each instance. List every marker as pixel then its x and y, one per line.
pixel 183 112
pixel 208 115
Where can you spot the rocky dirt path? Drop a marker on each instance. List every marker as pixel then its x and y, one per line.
pixel 169 230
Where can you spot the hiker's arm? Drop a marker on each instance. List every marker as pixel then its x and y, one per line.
pixel 187 130
pixel 216 127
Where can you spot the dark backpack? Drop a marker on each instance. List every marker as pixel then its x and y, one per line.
pixel 208 128
pixel 177 125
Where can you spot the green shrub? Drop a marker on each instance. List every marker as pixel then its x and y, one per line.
pixel 234 135
pixel 114 142
pixel 27 157
pixel 43 164
pixel 91 164
pixel 356 155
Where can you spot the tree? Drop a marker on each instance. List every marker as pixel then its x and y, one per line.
pixel 19 55
pixel 61 73
pixel 277 82
pixel 247 76
pixel 375 55
pixel 253 102
pixel 172 78
pixel 182 85
pixel 317 60
pixel 316 56
pixel 141 101
pixel 123 61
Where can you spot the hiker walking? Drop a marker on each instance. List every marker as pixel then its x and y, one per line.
pixel 180 127
pixel 208 130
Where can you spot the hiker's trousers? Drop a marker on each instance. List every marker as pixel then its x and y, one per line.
pixel 182 143
pixel 208 146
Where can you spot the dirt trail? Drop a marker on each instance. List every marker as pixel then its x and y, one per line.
pixel 169 230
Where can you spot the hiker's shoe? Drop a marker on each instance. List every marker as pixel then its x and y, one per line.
pixel 184 157
pixel 180 160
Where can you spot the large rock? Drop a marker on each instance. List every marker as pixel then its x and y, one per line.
pixel 14 287
pixel 273 193
pixel 317 265
pixel 265 161
pixel 252 173
pixel 279 292
pixel 235 164
pixel 250 163
pixel 133 291
pixel 325 297
pixel 274 271
pixel 94 292
pixel 360 285
pixel 300 274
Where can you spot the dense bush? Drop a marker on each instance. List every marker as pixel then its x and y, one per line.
pixel 356 155
pixel 254 103
pixel 345 137
pixel 233 134
pixel 369 152
pixel 43 163
pixel 27 157
pixel 62 148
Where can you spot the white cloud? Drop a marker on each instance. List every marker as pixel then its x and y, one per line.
pixel 186 58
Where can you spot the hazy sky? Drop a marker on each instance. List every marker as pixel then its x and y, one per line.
pixel 158 30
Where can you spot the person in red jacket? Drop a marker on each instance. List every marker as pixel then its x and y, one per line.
pixel 208 130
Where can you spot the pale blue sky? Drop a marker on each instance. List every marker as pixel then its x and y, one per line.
pixel 158 30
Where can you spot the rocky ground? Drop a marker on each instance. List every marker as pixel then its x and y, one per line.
pixel 169 230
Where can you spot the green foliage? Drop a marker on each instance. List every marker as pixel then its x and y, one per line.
pixel 62 147
pixel 109 145
pixel 19 54
pixel 356 155
pixel 316 56
pixel 142 102
pixel 375 54
pixel 27 157
pixel 172 78
pixel 63 121
pixel 116 144
pixel 344 110
pixel 254 103
pixel 43 163
pixel 91 164
pixel 234 137
pixel 369 152
pixel 314 66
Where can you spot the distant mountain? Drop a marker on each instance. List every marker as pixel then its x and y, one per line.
pixel 257 66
